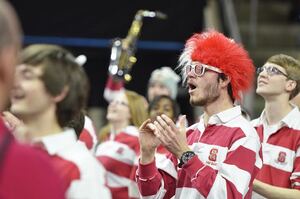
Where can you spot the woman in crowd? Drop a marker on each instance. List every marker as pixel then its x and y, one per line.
pixel 163 104
pixel 119 147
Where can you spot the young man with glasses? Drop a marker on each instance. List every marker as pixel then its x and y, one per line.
pixel 220 156
pixel 279 129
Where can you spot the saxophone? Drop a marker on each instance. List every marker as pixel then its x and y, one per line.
pixel 122 56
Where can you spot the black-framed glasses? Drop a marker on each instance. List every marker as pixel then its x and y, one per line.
pixel 199 68
pixel 271 70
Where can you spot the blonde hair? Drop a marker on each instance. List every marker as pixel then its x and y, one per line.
pixel 292 67
pixel 138 107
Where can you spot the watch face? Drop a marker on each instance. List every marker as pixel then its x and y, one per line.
pixel 187 156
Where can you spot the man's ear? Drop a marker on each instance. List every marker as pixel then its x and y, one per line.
pixel 224 82
pixel 290 85
pixel 62 95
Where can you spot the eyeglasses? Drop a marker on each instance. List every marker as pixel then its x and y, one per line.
pixel 199 68
pixel 271 70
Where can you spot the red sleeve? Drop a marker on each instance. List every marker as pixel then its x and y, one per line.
pixel 112 88
pixel 295 182
pixel 66 169
pixel 149 180
pixel 28 173
pixel 86 138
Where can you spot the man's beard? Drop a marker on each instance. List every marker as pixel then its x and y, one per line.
pixel 211 94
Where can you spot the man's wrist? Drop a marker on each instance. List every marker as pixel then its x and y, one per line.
pixel 185 157
pixel 179 154
pixel 147 157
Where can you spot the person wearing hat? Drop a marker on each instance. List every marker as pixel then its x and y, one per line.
pixel 279 129
pixel 220 157
pixel 163 81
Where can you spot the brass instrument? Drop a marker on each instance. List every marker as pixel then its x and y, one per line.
pixel 123 51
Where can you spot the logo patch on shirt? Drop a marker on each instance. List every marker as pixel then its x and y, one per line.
pixel 281 157
pixel 120 150
pixel 213 153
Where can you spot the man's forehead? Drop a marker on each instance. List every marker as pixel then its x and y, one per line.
pixel 121 95
pixel 269 64
pixel 157 82
pixel 28 67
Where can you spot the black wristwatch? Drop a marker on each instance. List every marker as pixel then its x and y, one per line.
pixel 185 157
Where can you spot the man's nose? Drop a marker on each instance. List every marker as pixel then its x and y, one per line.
pixel 191 73
pixel 263 73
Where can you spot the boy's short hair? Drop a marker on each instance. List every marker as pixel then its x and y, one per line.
pixel 60 71
pixel 292 67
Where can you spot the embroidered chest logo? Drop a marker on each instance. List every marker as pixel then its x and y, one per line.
pixel 281 157
pixel 120 150
pixel 213 154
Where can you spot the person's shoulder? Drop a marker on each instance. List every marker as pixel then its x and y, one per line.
pixel 28 154
pixel 31 159
pixel 244 125
pixel 33 171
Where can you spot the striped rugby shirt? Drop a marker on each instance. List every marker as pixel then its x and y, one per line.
pixel 226 164
pixel 280 150
pixel 82 174
pixel 119 156
pixel 88 134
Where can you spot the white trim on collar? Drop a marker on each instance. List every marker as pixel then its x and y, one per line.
pixel 132 130
pixel 57 142
pixel 225 116
pixel 290 120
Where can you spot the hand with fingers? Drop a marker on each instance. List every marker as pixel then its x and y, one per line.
pixel 12 122
pixel 172 137
pixel 148 142
pixel 17 127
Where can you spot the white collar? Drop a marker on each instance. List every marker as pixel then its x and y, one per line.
pixel 224 116
pixel 57 142
pixel 291 120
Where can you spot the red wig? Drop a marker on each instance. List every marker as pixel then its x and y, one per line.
pixel 213 48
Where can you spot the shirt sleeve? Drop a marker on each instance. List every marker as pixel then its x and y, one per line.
pixel 113 88
pixel 29 173
pixel 154 183
pixel 295 177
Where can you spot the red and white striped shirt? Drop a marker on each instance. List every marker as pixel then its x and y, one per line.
pixel 83 176
pixel 119 156
pixel 280 150
pixel 225 166
pixel 88 134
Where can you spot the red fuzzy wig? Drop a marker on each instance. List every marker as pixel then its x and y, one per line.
pixel 214 49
